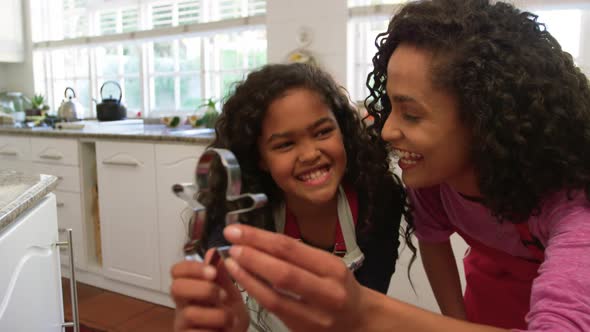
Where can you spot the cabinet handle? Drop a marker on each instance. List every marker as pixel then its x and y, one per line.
pixel 60 204
pixel 120 163
pixel 8 153
pixel 73 289
pixel 51 156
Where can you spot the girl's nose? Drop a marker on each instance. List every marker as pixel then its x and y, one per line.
pixel 391 131
pixel 309 154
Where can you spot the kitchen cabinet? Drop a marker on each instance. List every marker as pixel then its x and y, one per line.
pixel 174 164
pixel 11 31
pixel 15 152
pixel 60 157
pixel 115 194
pixel 128 212
pixel 30 277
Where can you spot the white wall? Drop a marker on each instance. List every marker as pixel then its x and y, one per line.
pixel 325 22
pixel 3 78
pixel 19 76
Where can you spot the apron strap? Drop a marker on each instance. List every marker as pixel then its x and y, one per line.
pixel 354 257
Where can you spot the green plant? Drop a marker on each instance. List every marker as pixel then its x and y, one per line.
pixel 210 114
pixel 38 102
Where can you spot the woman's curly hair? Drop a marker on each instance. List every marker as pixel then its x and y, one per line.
pixel 523 98
pixel 240 124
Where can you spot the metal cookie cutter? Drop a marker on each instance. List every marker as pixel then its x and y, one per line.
pixel 206 173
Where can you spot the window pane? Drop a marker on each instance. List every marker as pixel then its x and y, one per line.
pixel 228 80
pixel 163 57
pixel 132 93
pixel 190 92
pixel 189 12
pixel 162 16
pixel 164 93
pixel 189 54
pixel 82 88
pixel 107 61
pixel 131 59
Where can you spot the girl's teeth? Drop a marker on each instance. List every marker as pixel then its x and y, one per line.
pixel 313 175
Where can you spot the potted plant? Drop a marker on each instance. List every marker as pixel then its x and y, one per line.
pixel 38 106
pixel 206 114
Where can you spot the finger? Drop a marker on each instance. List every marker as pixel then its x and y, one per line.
pixel 321 291
pixel 281 246
pixel 202 292
pixel 203 318
pixel 192 269
pixel 225 281
pixel 296 314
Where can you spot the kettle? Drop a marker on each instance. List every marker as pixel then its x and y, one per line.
pixel 70 109
pixel 111 109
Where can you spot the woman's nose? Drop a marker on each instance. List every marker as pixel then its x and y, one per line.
pixel 391 131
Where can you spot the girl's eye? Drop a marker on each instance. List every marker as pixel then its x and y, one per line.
pixel 324 132
pixel 282 146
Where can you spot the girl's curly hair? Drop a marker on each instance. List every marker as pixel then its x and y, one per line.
pixel 523 98
pixel 239 127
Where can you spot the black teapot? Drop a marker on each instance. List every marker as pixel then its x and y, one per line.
pixel 111 109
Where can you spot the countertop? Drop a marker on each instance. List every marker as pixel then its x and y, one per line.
pixel 20 191
pixel 143 132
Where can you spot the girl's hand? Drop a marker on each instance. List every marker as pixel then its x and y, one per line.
pixel 206 298
pixel 308 289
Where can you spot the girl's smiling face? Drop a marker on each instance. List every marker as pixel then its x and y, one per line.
pixel 424 128
pixel 301 147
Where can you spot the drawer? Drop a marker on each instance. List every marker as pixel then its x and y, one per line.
pixel 68 176
pixel 55 151
pixel 15 148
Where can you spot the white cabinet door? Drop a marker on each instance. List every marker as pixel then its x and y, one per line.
pixel 11 32
pixel 69 215
pixel 174 164
pixel 128 212
pixel 30 277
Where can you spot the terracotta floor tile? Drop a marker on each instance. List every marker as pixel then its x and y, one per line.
pixel 84 292
pixel 108 310
pixel 102 310
pixel 157 319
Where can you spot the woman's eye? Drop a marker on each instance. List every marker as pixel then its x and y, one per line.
pixel 411 118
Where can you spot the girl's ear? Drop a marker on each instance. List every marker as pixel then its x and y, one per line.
pixel 262 165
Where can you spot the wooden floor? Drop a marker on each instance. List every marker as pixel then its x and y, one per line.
pixel 104 311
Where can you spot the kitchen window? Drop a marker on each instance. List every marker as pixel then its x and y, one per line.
pixel 565 21
pixel 168 56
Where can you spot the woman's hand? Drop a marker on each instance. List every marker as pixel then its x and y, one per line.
pixel 308 289
pixel 206 298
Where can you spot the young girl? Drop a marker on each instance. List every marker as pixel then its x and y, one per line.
pixel 490 120
pixel 299 141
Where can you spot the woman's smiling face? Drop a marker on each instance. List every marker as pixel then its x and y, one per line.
pixel 424 128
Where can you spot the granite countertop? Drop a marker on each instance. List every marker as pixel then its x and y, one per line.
pixel 20 191
pixel 143 132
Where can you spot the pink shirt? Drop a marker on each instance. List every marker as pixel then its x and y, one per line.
pixel 560 298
